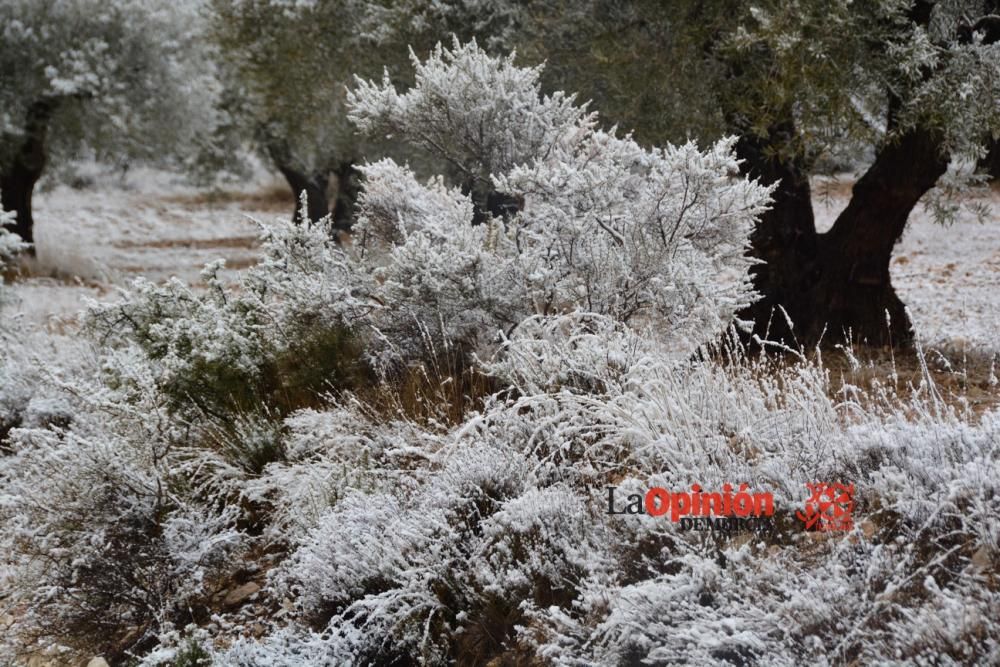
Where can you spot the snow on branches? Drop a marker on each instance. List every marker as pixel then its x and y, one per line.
pixel 483 114
pixel 10 244
pixel 592 222
pixel 111 74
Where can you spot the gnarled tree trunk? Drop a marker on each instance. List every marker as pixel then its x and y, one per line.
pixel 854 289
pixel 837 284
pixel 313 187
pixel 348 189
pixel 785 238
pixel 21 171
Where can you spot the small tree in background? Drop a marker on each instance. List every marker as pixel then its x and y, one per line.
pixel 115 77
pixel 288 65
pixel 288 68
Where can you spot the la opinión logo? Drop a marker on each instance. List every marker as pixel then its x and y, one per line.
pixel 695 509
pixel 829 507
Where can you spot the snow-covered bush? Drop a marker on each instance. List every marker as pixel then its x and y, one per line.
pixel 654 239
pixel 107 536
pixel 590 222
pixel 225 356
pixel 10 402
pixel 498 542
pixel 10 244
pixel 121 521
pixel 484 114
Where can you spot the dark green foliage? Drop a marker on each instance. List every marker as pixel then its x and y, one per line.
pixel 192 655
pixel 245 407
pixel 285 379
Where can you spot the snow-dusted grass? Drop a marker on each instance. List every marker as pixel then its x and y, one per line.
pixel 491 537
pixel 494 539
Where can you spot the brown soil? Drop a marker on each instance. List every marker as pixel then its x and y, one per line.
pixel 197 244
pixel 274 197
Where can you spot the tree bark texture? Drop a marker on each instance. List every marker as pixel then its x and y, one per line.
pixel 20 171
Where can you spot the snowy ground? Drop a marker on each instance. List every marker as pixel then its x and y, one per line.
pixel 92 240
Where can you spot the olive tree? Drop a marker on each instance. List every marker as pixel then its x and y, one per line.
pixel 118 77
pixel 916 81
pixel 289 65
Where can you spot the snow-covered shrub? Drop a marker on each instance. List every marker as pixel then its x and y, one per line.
pixel 484 114
pixel 420 282
pixel 228 357
pixel 591 222
pixel 125 520
pixel 105 541
pixel 10 244
pixel 330 454
pixel 12 400
pixel 499 543
pixel 650 238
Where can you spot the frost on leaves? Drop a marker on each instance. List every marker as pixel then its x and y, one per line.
pixel 654 238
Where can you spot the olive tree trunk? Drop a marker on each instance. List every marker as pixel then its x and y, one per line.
pixel 21 170
pixel 348 189
pixel 785 239
pixel 990 164
pixel 854 288
pixel 312 187
pixel 837 285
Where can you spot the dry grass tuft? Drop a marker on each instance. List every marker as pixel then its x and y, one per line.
pixel 444 390
pixel 962 378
